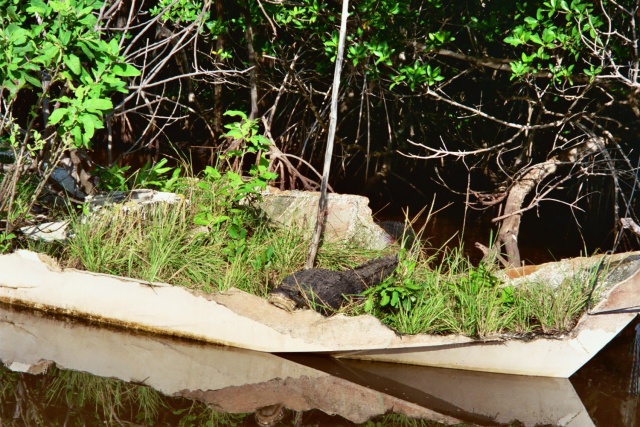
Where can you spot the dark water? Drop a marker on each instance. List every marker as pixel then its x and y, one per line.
pixel 603 383
pixel 540 241
pixel 61 372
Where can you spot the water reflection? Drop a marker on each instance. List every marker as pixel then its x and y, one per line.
pixel 603 383
pixel 61 372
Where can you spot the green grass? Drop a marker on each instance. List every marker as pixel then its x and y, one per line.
pixel 551 310
pixel 437 291
pixel 163 244
pixel 447 294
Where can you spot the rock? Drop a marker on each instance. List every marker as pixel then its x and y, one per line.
pixel 68 179
pixel 47 231
pixel 132 200
pixel 349 216
pixel 121 201
pixel 327 288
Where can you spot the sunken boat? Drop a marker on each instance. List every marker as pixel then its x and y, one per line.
pixel 237 319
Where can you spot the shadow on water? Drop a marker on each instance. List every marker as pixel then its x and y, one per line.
pixel 59 372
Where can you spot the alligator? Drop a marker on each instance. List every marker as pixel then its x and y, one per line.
pixel 326 290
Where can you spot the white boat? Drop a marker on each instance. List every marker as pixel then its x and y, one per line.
pixel 237 319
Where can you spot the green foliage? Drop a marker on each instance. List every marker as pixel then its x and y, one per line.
pixel 373 41
pixel 32 147
pixel 417 75
pixel 263 259
pixel 398 291
pixel 54 62
pixel 446 294
pixel 234 187
pixel 177 11
pixel 5 242
pixel 247 131
pixel 452 297
pixel 113 178
pixel 153 244
pixel 157 176
pixel 236 193
pixel 440 38
pixel 58 40
pixel 25 189
pixel 555 38
pixel 81 115
pixel 478 278
pixel 205 216
pixel 237 232
pixel 227 212
pixel 300 15
pixel 477 302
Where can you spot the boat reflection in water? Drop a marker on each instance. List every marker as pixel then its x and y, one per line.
pixel 173 382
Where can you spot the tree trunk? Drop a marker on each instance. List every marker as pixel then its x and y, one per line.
pixel 217 89
pixel 253 61
pixel 333 120
pixel 526 181
pixel 508 235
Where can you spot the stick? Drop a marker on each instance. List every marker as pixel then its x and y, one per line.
pixel 333 118
pixel 631 225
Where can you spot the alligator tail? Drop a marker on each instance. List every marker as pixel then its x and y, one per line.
pixel 375 271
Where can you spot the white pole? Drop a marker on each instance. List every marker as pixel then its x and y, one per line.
pixel 333 118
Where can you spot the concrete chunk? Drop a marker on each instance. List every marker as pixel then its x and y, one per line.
pixel 349 217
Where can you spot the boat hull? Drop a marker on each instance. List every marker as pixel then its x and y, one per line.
pixel 240 320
